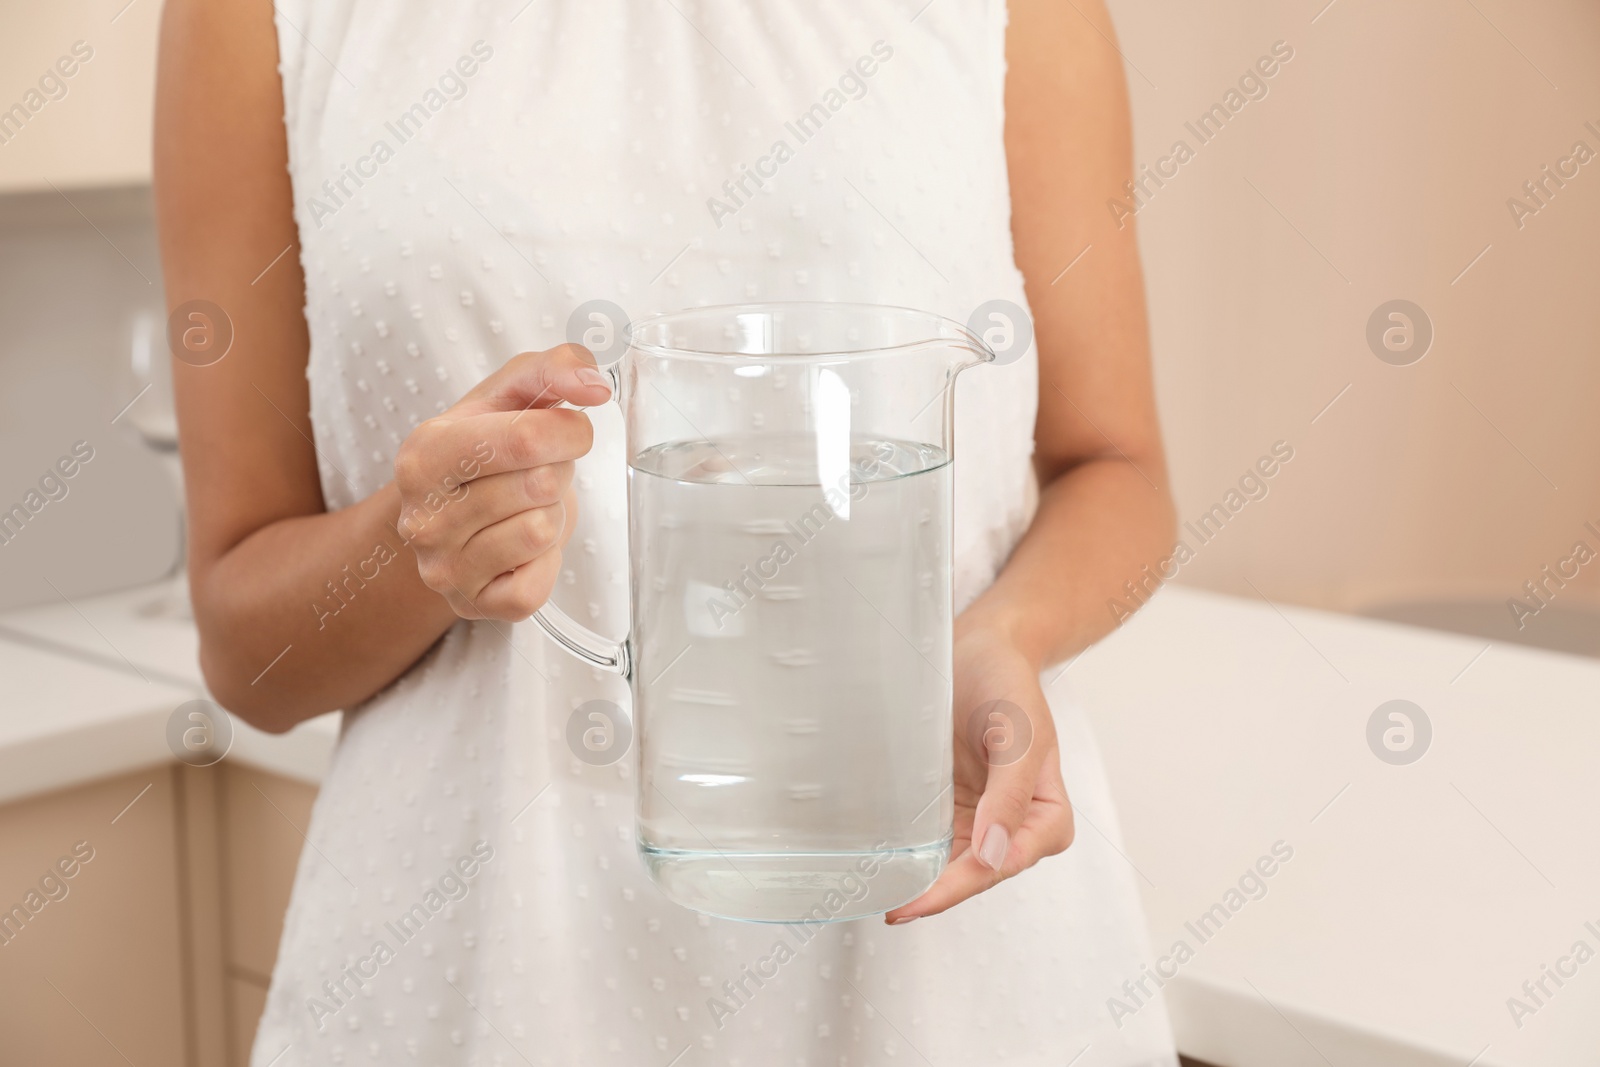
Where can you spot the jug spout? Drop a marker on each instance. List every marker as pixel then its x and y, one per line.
pixel 948 348
pixel 970 352
pixel 998 332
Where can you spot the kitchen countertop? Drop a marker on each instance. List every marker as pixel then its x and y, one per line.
pixel 1417 898
pixel 92 684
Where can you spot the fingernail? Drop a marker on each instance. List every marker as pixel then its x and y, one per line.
pixel 904 919
pixel 995 843
pixel 590 376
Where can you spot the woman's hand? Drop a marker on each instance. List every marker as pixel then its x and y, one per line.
pixel 486 499
pixel 1009 796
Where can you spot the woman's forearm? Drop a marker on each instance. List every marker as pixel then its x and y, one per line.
pixel 1104 511
pixel 1098 524
pixel 314 613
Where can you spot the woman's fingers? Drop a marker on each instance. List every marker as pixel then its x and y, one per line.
pixel 509 421
pixel 1013 744
pixel 964 877
pixel 1046 830
pixel 508 544
pixel 514 593
pixel 443 453
pixel 514 596
pixel 485 488
pixel 464 576
pixel 497 497
pixel 1022 815
pixel 542 380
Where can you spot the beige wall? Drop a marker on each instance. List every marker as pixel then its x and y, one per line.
pixel 1391 141
pixel 1377 167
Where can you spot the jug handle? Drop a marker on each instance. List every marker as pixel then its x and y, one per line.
pixel 583 642
pixel 564 630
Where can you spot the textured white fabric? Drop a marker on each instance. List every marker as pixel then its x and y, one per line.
pixel 465 176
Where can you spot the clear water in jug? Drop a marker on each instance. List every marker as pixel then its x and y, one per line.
pixel 793 636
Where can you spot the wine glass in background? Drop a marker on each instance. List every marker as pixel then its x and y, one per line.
pixel 153 416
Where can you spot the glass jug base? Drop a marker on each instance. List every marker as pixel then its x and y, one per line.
pixel 792 887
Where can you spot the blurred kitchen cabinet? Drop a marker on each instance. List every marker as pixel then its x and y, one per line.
pixel 264 817
pixel 157 947
pixel 76 104
pixel 92 962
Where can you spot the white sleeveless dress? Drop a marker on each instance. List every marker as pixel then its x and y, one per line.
pixel 466 176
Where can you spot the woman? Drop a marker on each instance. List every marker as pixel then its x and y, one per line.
pixel 453 184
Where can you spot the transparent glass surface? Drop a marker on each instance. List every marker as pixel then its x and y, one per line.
pixel 790 472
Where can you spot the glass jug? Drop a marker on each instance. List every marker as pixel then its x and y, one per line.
pixel 789 508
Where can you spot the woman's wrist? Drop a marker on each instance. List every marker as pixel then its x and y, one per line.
pixel 995 617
